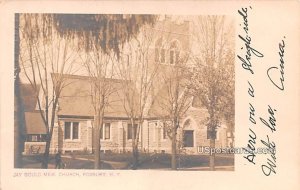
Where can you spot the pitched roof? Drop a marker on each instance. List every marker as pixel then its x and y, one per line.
pixel 34 123
pixel 164 98
pixel 28 96
pixel 76 99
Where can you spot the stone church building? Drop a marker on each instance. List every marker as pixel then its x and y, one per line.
pixel 73 129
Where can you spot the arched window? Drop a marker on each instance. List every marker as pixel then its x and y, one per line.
pixel 188 134
pixel 174 52
pixel 160 51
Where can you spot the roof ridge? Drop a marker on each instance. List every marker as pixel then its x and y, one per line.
pixel 85 77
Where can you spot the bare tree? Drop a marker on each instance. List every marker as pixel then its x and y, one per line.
pixel 19 131
pixel 102 34
pixel 42 54
pixel 174 100
pixel 213 74
pixel 137 72
pixel 99 66
pixel 229 112
pixel 171 94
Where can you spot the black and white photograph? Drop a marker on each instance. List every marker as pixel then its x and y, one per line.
pixel 158 94
pixel 124 91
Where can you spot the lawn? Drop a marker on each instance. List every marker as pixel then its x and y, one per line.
pixel 124 161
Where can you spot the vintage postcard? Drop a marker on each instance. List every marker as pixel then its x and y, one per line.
pixel 150 94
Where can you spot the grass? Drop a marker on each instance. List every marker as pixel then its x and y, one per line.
pixel 125 160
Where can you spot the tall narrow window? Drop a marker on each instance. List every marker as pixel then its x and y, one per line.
pixel 174 52
pixel 188 138
pixel 129 131
pixel 107 130
pixel 75 133
pixel 160 52
pixel 101 133
pixel 67 130
pixel 164 132
pixel 211 134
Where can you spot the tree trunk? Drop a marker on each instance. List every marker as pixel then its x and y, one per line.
pixel 49 135
pixel 135 157
pixel 212 155
pixel 46 153
pixel 124 139
pixel 174 152
pixel 97 164
pixel 97 145
pixel 19 127
pixel 19 112
pixel 134 145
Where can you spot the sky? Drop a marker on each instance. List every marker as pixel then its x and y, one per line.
pixel 78 59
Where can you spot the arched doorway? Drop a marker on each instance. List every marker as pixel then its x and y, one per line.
pixel 189 133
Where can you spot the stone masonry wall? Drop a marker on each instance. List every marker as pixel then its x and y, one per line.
pixel 151 136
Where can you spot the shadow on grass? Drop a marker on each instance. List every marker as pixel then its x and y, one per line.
pixel 35 161
pixel 124 161
pixel 158 161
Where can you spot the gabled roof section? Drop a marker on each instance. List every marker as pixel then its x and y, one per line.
pixel 34 123
pixel 28 96
pixel 76 97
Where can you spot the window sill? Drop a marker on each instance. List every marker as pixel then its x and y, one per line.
pixel 106 140
pixel 72 140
